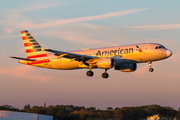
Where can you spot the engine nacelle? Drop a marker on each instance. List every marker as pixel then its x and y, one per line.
pixel 127 67
pixel 105 63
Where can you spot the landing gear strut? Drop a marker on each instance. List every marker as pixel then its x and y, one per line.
pixel 90 73
pixel 150 64
pixel 105 74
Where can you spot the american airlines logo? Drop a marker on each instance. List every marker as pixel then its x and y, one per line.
pixel 114 52
pixel 139 49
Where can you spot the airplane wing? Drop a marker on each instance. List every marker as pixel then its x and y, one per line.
pixel 73 56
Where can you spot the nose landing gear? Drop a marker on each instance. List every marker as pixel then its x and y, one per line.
pixel 151 69
pixel 150 64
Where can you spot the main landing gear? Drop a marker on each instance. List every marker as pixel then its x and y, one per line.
pixel 105 74
pixel 150 64
pixel 90 73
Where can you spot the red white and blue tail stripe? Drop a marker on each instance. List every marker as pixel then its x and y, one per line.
pixel 32 47
pixel 34 51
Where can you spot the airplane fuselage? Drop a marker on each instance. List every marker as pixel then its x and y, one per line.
pixel 123 58
pixel 128 54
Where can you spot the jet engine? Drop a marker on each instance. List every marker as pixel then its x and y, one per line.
pixel 105 63
pixel 126 67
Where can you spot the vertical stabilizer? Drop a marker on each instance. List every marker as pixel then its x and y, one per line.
pixel 32 47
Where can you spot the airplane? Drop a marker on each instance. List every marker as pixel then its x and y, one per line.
pixel 123 58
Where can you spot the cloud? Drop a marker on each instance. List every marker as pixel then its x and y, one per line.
pixel 35 7
pixel 88 18
pixel 171 26
pixel 18 20
pixel 89 35
pixel 27 73
pixel 8 31
pixel 9 36
pixel 75 36
pixel 90 26
pixel 2 55
pixel 15 19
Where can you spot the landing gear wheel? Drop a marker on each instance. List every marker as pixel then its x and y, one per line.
pixel 89 73
pixel 105 75
pixel 151 69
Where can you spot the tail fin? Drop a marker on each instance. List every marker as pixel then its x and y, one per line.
pixel 32 47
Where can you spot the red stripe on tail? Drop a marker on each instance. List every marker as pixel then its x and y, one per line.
pixel 27 44
pixel 24 38
pixel 22 32
pixel 29 51
pixel 38 62
pixel 36 56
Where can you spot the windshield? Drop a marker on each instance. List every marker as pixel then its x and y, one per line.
pixel 160 47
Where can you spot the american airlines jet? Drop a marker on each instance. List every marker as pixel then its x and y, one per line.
pixel 122 58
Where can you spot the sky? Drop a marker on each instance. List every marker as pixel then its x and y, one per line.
pixel 68 25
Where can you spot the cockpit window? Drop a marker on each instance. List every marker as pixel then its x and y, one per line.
pixel 160 47
pixel 163 47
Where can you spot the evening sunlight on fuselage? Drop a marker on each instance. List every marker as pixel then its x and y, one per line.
pixel 122 58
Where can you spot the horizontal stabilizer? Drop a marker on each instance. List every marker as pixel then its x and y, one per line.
pixel 22 58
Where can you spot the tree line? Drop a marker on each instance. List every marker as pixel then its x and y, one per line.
pixel 70 112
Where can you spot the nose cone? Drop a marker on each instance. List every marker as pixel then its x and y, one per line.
pixel 168 53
